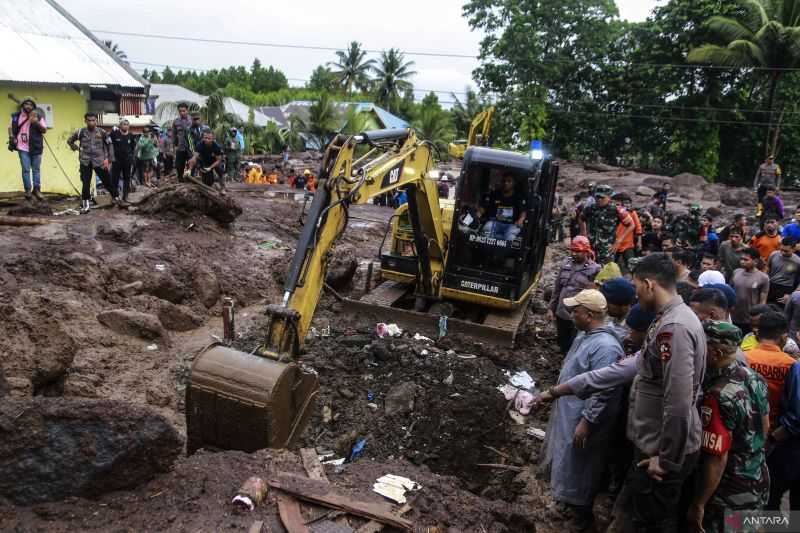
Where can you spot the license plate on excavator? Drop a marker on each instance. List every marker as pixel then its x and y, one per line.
pixel 241 401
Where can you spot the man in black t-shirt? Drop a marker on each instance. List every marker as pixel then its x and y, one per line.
pixel 208 158
pixel 124 143
pixel 504 210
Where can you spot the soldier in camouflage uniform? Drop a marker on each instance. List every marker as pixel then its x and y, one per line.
pixel 686 227
pixel 735 422
pixel 599 222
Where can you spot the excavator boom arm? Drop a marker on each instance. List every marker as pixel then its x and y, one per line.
pixel 397 160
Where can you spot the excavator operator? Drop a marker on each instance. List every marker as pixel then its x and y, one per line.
pixel 504 210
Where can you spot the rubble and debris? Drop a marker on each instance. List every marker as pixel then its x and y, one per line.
pixel 251 493
pixel 387 330
pixel 536 432
pixel 321 493
pixel 395 487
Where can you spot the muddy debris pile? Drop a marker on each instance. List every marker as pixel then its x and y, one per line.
pixel 185 200
pixel 54 448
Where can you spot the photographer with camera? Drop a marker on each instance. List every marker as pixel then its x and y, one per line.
pixel 26 136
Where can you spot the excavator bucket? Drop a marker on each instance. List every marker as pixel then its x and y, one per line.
pixel 241 401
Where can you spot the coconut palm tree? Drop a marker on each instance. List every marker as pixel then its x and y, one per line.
pixel 434 125
pixel 766 35
pixel 118 52
pixel 391 77
pixel 355 121
pixel 464 112
pixel 352 69
pixel 322 121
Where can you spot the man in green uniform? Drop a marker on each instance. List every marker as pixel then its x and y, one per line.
pixel 735 420
pixel 233 152
pixel 599 223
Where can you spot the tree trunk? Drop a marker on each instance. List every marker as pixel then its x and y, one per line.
pixel 773 85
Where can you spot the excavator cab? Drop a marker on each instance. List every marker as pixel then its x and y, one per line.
pixel 499 234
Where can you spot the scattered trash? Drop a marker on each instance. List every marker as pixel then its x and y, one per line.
pixel 418 337
pixel 151 347
pixel 442 326
pixel 251 494
pixel 523 400
pixel 161 267
pixel 373 406
pixel 424 353
pixel 370 396
pixel 467 356
pixel 395 487
pixel 327 414
pixel 325 455
pixel 521 380
pixel 518 418
pixel 358 450
pixel 536 432
pixel 449 379
pixel 191 227
pixel 387 330
pixel 267 245
pixel 66 212
pixel 334 462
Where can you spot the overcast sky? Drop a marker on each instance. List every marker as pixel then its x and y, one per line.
pixel 422 26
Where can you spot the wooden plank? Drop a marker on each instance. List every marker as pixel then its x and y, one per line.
pixel 374 527
pixel 312 465
pixel 321 493
pixel 257 526
pixel 289 509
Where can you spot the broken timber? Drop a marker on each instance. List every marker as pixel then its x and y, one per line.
pixel 320 492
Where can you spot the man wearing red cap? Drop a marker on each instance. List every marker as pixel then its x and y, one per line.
pixel 576 274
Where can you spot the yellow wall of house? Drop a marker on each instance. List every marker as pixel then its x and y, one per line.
pixel 68 107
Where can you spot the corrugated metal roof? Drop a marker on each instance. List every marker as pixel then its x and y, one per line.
pixel 175 93
pixel 242 110
pixel 275 113
pixel 41 43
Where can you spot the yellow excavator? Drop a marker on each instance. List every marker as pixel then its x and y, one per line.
pixel 474 265
pixel 478 134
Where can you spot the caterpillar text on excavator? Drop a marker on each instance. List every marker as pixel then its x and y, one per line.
pixel 473 263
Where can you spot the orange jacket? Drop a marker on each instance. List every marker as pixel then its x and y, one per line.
pixel 630 241
pixel 773 365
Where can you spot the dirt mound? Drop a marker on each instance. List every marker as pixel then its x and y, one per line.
pixel 186 200
pixel 195 496
pixel 52 448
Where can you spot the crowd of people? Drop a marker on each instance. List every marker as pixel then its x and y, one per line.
pixel 119 158
pixel 680 387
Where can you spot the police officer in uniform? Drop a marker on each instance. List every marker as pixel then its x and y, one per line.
pixel 663 420
pixel 96 155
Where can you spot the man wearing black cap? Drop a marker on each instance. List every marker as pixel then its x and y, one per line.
pixel 26 135
pixel 124 144
pixel 620 295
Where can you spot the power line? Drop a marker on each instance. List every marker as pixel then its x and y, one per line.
pixel 675 119
pixel 597 61
pixel 273 45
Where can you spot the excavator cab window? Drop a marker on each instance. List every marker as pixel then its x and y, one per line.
pixel 491 222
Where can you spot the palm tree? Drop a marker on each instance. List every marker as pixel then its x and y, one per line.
pixel 352 68
pixel 464 112
pixel 765 35
pixel 355 121
pixel 391 77
pixel 434 125
pixel 118 52
pixel 322 121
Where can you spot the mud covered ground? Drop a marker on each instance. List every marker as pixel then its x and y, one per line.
pixel 70 293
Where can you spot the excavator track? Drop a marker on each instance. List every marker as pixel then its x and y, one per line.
pixel 382 304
